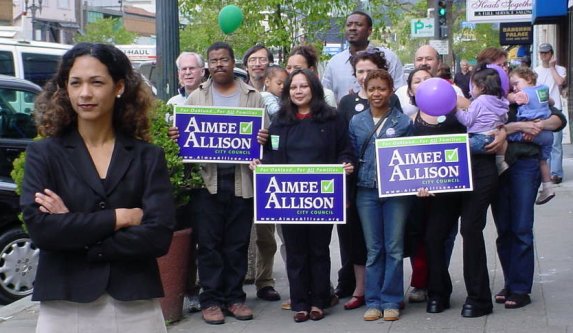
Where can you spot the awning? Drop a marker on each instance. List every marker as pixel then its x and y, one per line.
pixel 548 12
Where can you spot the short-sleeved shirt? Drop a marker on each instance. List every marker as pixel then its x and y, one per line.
pixel 544 77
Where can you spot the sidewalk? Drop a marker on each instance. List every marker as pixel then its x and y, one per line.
pixel 550 311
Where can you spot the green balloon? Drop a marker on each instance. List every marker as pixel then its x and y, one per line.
pixel 230 18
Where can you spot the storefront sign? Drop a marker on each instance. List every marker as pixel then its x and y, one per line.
pixel 300 194
pixel 496 11
pixel 218 134
pixel 515 33
pixel 440 163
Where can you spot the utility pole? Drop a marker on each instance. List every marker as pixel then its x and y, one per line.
pixel 167 46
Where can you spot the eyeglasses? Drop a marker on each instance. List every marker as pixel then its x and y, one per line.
pixel 260 60
pixel 223 61
pixel 190 69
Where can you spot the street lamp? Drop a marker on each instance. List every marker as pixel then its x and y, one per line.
pixel 33 8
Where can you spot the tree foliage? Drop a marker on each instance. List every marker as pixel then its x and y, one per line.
pixel 106 30
pixel 280 24
pixel 486 35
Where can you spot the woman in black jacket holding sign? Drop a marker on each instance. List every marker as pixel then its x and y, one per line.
pixel 307 131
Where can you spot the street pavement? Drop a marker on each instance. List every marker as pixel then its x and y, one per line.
pixel 552 297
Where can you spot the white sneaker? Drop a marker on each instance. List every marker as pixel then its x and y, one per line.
pixel 391 314
pixel 544 196
pixel 372 314
pixel 417 295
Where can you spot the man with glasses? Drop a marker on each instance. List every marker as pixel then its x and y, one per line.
pixel 226 201
pixel 190 69
pixel 553 76
pixel 256 60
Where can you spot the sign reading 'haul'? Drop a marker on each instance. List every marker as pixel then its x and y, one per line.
pixel 218 134
pixel 300 194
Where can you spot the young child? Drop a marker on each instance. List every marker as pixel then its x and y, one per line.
pixel 534 104
pixel 486 113
pixel 275 77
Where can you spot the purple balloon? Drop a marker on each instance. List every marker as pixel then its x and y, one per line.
pixel 502 76
pixel 436 97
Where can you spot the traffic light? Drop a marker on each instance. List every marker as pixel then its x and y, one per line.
pixel 442 21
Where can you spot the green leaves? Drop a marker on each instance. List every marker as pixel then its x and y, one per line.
pixel 183 176
pixel 106 30
pixel 279 24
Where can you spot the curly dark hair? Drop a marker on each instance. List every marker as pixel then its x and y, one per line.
pixel 308 52
pixel 376 56
pixel 320 111
pixel 54 114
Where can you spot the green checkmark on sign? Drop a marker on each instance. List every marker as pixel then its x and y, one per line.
pixel 451 155
pixel 246 128
pixel 327 186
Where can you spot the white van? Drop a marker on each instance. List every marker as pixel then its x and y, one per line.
pixel 139 53
pixel 30 60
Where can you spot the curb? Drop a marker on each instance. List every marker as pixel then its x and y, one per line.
pixel 14 308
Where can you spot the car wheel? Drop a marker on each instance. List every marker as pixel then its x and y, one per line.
pixel 18 263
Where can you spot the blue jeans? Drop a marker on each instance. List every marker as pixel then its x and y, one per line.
pixel 478 142
pixel 513 215
pixel 383 224
pixel 556 160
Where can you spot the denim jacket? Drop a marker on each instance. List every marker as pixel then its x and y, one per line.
pixel 397 124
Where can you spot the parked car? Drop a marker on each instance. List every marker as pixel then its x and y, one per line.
pixel 18 256
pixel 408 68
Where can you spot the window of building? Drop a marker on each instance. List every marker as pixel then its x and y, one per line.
pixel 64 4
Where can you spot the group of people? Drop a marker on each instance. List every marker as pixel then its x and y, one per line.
pixel 97 200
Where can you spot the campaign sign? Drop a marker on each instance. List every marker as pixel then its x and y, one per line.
pixel 440 163
pixel 300 194
pixel 218 134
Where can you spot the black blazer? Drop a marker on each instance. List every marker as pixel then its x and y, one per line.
pixel 81 256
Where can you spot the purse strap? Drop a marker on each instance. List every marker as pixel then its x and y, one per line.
pixel 367 141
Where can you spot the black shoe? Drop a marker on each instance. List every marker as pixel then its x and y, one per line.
pixel 472 311
pixel 268 294
pixel 436 306
pixel 343 292
pixel 556 179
